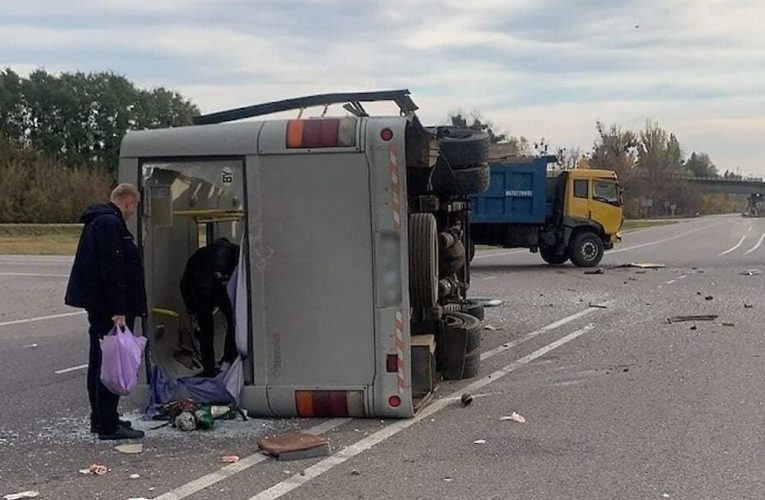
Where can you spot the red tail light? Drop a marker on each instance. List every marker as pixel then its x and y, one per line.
pixel 329 403
pixel 394 401
pixel 321 133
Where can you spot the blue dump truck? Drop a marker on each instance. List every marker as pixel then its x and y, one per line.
pixel 573 214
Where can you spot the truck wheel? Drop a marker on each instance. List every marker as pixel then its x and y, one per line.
pixel 463 146
pixel 551 257
pixel 465 181
pixel 458 343
pixel 586 249
pixel 423 260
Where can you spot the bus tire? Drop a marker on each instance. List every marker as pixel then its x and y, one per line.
pixel 423 260
pixel 463 146
pixel 551 257
pixel 459 337
pixel 586 249
pixel 466 181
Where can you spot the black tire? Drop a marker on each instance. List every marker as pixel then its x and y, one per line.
pixel 549 256
pixel 463 146
pixel 466 181
pixel 423 260
pixel 475 309
pixel 586 249
pixel 459 338
pixel 472 364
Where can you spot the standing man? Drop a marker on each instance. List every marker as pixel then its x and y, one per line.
pixel 107 281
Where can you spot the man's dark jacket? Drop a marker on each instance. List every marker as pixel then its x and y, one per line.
pixel 107 274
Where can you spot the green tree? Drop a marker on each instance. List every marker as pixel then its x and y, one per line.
pixel 81 118
pixel 700 165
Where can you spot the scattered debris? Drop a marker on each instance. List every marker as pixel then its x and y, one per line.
pixel 598 305
pixel 355 472
pixel 694 327
pixel 479 441
pixel 229 459
pixel 748 306
pixel 491 328
pixel 466 399
pixel 493 303
pixel 698 293
pixel 514 417
pixel 594 271
pixel 448 479
pixel 185 421
pixel 702 317
pixel 295 446
pixel 23 494
pixel 708 297
pixel 728 323
pixel 644 265
pixel 134 476
pixel 31 346
pixel 130 449
pixel 641 272
pixel 751 272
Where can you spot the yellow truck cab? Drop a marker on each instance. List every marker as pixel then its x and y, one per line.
pixel 572 214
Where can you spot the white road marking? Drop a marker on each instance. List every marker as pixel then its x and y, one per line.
pixel 342 456
pixel 658 242
pixel 759 242
pixel 41 318
pixel 736 246
pixel 245 463
pixel 72 369
pixel 35 275
pixel 498 254
pixel 535 333
pixel 203 482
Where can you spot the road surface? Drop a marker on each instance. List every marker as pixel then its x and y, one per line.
pixel 618 403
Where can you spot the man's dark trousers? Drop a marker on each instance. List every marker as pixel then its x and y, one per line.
pixel 103 402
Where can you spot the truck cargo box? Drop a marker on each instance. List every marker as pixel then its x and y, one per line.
pixel 517 193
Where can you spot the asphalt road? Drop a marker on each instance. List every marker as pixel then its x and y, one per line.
pixel 618 403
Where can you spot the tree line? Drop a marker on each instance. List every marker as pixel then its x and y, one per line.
pixel 60 138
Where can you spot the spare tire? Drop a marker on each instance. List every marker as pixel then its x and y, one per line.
pixel 466 181
pixel 423 260
pixel 458 342
pixel 463 146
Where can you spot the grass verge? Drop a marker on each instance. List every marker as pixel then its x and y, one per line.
pixel 39 239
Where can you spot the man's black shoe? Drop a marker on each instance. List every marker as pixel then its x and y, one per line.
pixel 121 423
pixel 121 433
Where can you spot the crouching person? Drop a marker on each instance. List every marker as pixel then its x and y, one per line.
pixel 107 281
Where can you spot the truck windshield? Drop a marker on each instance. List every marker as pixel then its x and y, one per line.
pixel 606 192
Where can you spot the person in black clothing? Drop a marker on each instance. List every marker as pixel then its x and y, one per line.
pixel 203 288
pixel 107 281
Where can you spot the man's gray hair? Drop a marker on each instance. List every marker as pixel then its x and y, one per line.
pixel 124 190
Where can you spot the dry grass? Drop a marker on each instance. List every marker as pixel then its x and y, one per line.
pixel 39 239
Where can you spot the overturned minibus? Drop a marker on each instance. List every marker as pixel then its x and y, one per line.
pixel 350 295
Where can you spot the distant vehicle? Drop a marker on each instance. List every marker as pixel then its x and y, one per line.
pixel 574 214
pixel 756 206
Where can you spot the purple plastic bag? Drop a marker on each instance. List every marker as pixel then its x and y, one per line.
pixel 121 356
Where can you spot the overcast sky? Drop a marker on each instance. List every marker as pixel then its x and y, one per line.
pixel 537 68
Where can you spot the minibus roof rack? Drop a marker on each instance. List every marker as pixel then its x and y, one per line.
pixel 352 101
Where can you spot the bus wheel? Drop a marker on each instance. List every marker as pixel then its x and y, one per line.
pixel 423 260
pixel 459 346
pixel 586 249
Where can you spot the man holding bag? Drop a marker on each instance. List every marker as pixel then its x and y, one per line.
pixel 107 281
